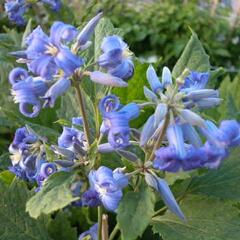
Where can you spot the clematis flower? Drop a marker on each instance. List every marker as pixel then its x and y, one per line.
pixel 46 56
pixel 116 59
pixel 15 10
pixel 116 120
pixel 108 184
pixel 71 137
pixel 27 93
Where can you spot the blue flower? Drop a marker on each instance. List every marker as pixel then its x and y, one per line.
pixel 108 184
pixel 77 121
pixel 57 89
pixel 109 103
pixel 91 198
pixel 71 137
pixel 116 57
pixel 22 140
pixel 91 234
pixel 196 94
pixel 15 10
pixel 27 93
pixel 46 56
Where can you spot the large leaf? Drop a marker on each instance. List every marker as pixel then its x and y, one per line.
pixel 135 212
pixel 223 182
pixel 206 219
pixel 15 222
pixel 230 93
pixel 193 57
pixel 54 195
pixel 60 228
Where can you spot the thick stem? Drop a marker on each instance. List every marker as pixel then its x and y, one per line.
pixel 160 137
pixel 114 232
pixel 100 222
pixel 104 227
pixel 83 112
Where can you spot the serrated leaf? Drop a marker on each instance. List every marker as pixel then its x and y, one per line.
pixel 60 228
pixel 193 57
pixel 15 222
pixel 206 219
pixel 135 212
pixel 221 183
pixel 54 195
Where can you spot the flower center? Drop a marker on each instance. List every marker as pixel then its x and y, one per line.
pixel 52 50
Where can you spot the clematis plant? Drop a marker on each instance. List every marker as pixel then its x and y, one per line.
pixel 177 137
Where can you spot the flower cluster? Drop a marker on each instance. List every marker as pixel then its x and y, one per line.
pixel 186 149
pixel 55 65
pixel 28 161
pixel 15 9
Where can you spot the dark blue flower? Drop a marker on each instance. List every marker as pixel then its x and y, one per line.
pixel 108 184
pixel 47 55
pixel 15 10
pixel 91 234
pixel 91 198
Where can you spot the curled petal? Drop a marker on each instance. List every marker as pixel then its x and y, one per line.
pixel 109 103
pixel 125 70
pixel 29 109
pixel 17 74
pixel 110 59
pixel 47 169
pixel 107 79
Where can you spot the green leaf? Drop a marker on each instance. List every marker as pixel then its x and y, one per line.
pixel 15 222
pixel 60 228
pixel 27 31
pixel 193 57
pixel 135 212
pixel 54 195
pixel 230 93
pixel 221 183
pixel 206 219
pixel 6 177
pixel 5 161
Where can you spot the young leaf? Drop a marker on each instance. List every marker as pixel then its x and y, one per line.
pixel 135 212
pixel 193 57
pixel 54 195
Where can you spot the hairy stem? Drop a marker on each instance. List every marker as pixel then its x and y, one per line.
pixel 160 137
pixel 114 232
pixel 83 112
pixel 100 222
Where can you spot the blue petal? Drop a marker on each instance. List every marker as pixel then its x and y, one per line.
pixel 125 70
pixel 148 130
pixel 166 77
pixel 67 61
pixel 175 138
pixel 151 96
pixel 131 110
pixel 107 79
pixel 55 4
pixel 153 79
pixel 56 90
pixel 109 103
pixel 111 200
pixel 88 30
pixel 29 109
pixel 17 74
pixel 110 59
pixel 112 42
pixel 191 135
pixel 61 31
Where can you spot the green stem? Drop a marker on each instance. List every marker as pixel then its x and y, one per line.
pixel 161 210
pixel 83 112
pixel 100 210
pixel 160 137
pixel 114 232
